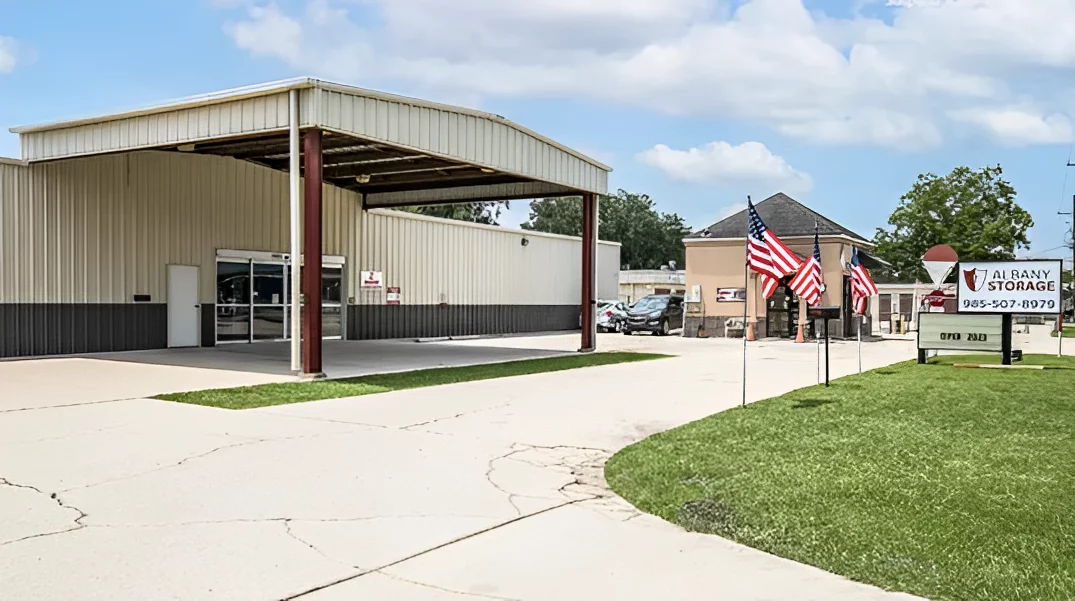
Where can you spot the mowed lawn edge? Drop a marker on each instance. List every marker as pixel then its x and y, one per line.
pixel 267 395
pixel 947 483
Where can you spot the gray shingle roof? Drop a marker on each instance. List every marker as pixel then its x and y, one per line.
pixel 784 215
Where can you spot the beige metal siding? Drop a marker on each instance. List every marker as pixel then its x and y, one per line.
pixel 102 229
pixel 180 126
pixel 608 271
pixel 436 261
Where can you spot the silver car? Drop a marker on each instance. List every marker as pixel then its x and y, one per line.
pixel 611 316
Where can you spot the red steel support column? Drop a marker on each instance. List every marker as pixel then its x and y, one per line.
pixel 311 265
pixel 589 304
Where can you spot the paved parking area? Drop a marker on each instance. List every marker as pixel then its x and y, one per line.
pixel 110 376
pixel 482 490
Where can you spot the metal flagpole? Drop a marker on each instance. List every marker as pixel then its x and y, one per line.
pixel 817 343
pixel 294 216
pixel 860 343
pixel 746 303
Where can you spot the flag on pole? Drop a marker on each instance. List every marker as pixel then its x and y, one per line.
pixel 807 283
pixel 766 254
pixel 862 286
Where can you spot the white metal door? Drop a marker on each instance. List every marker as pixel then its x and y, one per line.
pixel 183 306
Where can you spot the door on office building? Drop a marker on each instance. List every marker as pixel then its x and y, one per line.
pixel 184 310
pixel 254 298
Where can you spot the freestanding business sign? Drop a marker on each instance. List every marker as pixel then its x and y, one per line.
pixel 955 332
pixel 1018 287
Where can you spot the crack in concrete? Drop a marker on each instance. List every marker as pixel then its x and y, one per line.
pixel 55 497
pixel 64 437
pixel 456 416
pixel 325 419
pixel 70 405
pixel 489 478
pixel 244 442
pixel 294 519
pixel 445 589
pixel 429 550
pixel 291 533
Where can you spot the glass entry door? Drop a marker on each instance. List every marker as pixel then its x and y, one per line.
pixel 269 301
pixel 253 301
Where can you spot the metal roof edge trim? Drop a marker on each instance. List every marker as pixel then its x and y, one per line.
pixel 14 162
pixel 241 93
pixel 481 226
pixel 275 87
pixel 863 243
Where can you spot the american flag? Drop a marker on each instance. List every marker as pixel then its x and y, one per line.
pixel 862 286
pixel 766 254
pixel 807 283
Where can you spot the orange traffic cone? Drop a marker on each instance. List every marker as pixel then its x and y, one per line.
pixel 801 336
pixel 750 331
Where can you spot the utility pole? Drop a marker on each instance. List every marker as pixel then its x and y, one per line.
pixel 1071 286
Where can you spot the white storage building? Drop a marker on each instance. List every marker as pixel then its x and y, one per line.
pixel 165 228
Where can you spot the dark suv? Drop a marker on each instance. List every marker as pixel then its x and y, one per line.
pixel 658 314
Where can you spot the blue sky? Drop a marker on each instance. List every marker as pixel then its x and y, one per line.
pixel 840 103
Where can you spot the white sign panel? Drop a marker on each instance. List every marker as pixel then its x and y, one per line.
pixel 955 332
pixel 1009 287
pixel 731 295
pixel 372 279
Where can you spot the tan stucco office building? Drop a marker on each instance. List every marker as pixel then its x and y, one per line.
pixel 716 260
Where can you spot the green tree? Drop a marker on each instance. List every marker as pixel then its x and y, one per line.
pixel 650 239
pixel 475 212
pixel 974 212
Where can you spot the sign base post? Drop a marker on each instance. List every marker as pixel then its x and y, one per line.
pixel 1006 339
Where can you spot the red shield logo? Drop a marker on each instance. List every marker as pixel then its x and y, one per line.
pixel 975 280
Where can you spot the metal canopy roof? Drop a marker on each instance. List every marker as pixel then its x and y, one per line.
pixel 393 149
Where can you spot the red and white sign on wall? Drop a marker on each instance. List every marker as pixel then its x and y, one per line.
pixel 372 279
pixel 392 297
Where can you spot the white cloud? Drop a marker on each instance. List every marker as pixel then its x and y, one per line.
pixel 827 80
pixel 865 127
pixel 749 164
pixel 8 50
pixel 1018 127
pixel 268 32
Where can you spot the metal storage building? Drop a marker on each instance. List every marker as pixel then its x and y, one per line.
pixel 175 225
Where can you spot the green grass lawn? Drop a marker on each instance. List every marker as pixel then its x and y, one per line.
pixel 942 482
pixel 1069 332
pixel 265 395
pixel 1049 361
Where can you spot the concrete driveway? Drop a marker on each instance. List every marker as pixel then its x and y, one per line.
pixel 484 490
pixel 106 377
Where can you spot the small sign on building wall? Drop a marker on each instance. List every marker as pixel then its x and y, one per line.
pixel 372 279
pixel 695 295
pixel 731 295
pixel 392 297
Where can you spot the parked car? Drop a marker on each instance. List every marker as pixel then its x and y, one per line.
pixel 600 307
pixel 658 314
pixel 611 316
